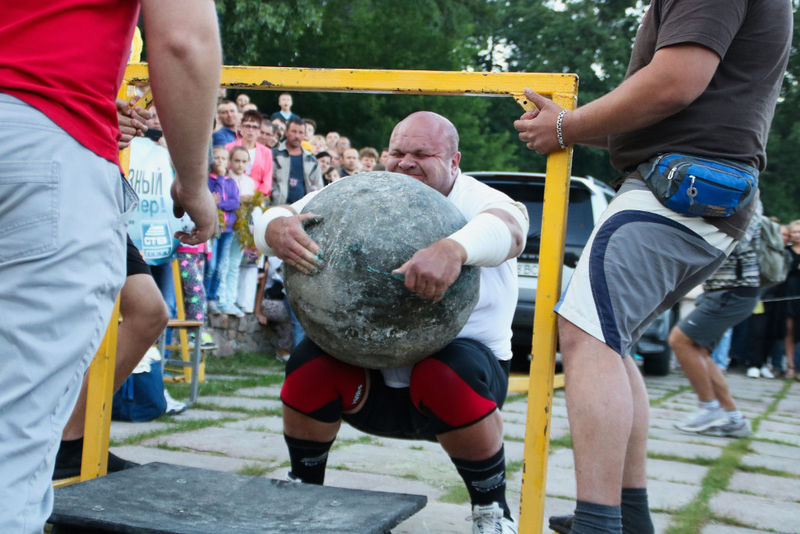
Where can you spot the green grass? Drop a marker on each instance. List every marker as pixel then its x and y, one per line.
pixel 255 470
pixel 223 387
pixel 180 426
pixel 513 467
pixel 256 412
pixel 674 393
pixel 455 494
pixel 778 442
pixel 242 363
pixel 564 442
pixel 693 517
pixel 767 471
pixel 339 443
pixel 697 460
pixel 515 396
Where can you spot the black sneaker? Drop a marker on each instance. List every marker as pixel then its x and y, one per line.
pixel 68 460
pixel 561 523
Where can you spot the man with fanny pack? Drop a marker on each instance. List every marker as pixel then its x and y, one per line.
pixel 691 118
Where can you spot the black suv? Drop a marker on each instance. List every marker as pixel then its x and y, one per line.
pixel 587 200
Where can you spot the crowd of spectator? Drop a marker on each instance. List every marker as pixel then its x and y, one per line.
pixel 260 159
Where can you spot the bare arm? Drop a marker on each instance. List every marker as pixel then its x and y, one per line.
pixel 674 78
pixel 431 271
pixel 185 60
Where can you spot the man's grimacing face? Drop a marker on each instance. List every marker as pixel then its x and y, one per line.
pixel 419 149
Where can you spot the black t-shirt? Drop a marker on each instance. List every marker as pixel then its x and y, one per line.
pixel 732 117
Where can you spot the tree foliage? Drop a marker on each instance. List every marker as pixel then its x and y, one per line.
pixel 780 182
pixel 592 38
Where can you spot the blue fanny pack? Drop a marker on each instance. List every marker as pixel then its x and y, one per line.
pixel 700 187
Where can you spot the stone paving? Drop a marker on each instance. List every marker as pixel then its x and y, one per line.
pixel 240 431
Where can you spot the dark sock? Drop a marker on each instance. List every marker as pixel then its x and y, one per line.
pixel 485 479
pixel 68 459
pixel 591 518
pixel 70 455
pixel 308 458
pixel 636 512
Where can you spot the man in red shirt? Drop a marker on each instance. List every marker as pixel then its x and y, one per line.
pixel 64 203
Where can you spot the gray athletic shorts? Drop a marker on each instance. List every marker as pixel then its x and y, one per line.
pixel 640 260
pixel 715 312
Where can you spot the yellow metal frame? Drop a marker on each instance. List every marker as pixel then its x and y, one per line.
pixel 562 88
pixel 100 391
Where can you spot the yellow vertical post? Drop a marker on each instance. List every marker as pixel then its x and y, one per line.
pixel 99 394
pixel 548 291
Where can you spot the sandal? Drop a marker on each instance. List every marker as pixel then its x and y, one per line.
pixel 790 373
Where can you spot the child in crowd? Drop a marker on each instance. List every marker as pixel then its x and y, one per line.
pixel 369 158
pixel 331 175
pixel 229 287
pixel 239 158
pixel 226 194
pixel 318 144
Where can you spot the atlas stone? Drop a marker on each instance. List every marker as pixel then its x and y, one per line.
pixel 354 307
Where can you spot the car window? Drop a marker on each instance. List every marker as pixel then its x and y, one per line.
pixel 579 216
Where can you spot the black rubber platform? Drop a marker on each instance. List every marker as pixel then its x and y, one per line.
pixel 164 498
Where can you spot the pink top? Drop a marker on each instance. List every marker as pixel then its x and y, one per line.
pixel 191 249
pixel 261 167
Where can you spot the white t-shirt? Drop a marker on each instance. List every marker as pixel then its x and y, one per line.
pixel 246 184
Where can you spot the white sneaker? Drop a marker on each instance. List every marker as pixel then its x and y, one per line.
pixel 174 407
pixel 766 373
pixel 731 429
pixel 489 519
pixel 753 372
pixel 703 419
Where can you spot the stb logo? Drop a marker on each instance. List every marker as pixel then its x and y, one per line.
pixel 156 240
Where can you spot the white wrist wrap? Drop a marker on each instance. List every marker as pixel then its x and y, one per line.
pixel 486 238
pixel 260 227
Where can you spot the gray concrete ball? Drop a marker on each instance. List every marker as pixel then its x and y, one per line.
pixel 353 308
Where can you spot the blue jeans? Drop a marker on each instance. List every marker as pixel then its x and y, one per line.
pixel 229 278
pixel 297 329
pixel 162 274
pixel 63 215
pixel 720 354
pixel 217 265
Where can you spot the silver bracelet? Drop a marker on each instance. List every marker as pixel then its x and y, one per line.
pixel 559 133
